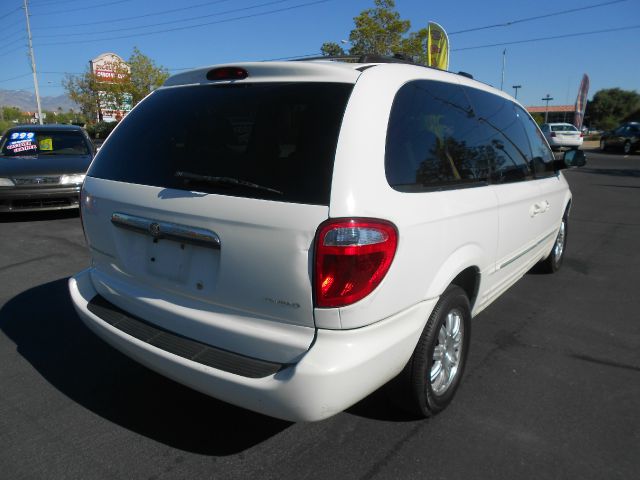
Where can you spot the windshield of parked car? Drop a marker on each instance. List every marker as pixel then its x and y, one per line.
pixel 563 128
pixel 28 143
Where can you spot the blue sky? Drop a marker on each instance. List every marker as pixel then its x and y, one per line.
pixel 285 28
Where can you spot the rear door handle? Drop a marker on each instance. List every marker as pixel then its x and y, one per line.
pixel 167 230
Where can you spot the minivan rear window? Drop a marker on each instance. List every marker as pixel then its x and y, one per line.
pixel 272 141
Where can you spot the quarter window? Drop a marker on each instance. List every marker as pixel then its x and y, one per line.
pixel 433 140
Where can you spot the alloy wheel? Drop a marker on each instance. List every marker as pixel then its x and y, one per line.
pixel 447 353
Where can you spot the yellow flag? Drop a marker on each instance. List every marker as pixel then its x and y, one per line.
pixel 437 47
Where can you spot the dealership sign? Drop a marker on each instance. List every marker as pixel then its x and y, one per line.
pixel 110 68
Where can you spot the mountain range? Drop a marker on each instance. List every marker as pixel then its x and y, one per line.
pixel 26 101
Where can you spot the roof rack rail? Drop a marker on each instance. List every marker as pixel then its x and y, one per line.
pixel 344 58
pixel 375 58
pixel 366 58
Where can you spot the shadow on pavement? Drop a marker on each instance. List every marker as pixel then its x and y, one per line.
pixel 378 406
pixel 17 217
pixel 50 336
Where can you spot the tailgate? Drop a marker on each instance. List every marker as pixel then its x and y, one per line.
pixel 210 266
pixel 203 222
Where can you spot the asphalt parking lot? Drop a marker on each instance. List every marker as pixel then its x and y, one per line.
pixel 551 390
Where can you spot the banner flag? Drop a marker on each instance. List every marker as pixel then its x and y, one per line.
pixel 581 102
pixel 437 47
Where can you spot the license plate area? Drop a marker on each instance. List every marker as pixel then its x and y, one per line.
pixel 167 254
pixel 169 259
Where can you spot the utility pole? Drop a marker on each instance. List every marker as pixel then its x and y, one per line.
pixel 516 87
pixel 33 63
pixel 546 109
pixel 504 60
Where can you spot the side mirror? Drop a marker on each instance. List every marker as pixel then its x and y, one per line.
pixel 571 158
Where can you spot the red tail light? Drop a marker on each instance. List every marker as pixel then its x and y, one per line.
pixel 581 134
pixel 352 256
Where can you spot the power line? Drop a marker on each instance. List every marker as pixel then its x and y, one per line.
pixel 62 73
pixel 537 17
pixel 21 39
pixel 10 13
pixel 164 31
pixel 145 15
pixel 57 2
pixel 14 28
pixel 137 27
pixel 9 52
pixel 15 78
pixel 90 7
pixel 530 40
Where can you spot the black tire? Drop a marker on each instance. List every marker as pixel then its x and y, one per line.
pixel 603 145
pixel 553 262
pixel 414 390
pixel 627 147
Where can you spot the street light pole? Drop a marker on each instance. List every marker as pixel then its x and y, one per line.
pixel 546 109
pixel 33 63
pixel 504 61
pixel 516 87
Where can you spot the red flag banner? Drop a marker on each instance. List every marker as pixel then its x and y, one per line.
pixel 581 102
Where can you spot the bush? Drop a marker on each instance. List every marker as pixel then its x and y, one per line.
pixel 3 126
pixel 101 130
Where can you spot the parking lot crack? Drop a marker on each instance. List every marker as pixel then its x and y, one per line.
pixel 26 262
pixel 608 363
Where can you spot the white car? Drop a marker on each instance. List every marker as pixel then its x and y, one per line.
pixel 562 135
pixel 290 236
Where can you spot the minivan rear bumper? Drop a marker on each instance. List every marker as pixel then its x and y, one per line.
pixel 340 368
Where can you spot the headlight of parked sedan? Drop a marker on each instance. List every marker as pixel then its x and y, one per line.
pixel 6 182
pixel 72 179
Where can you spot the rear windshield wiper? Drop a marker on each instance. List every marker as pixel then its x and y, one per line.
pixel 224 181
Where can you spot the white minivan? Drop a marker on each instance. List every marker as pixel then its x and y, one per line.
pixel 291 236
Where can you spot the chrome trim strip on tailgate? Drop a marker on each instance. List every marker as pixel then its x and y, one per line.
pixel 167 230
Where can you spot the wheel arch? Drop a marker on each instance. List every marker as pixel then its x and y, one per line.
pixel 464 269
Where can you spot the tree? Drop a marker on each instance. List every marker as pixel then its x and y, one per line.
pixel 633 116
pixel 381 31
pixel 133 80
pixel 378 30
pixel 83 90
pixel 146 76
pixel 331 49
pixel 609 107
